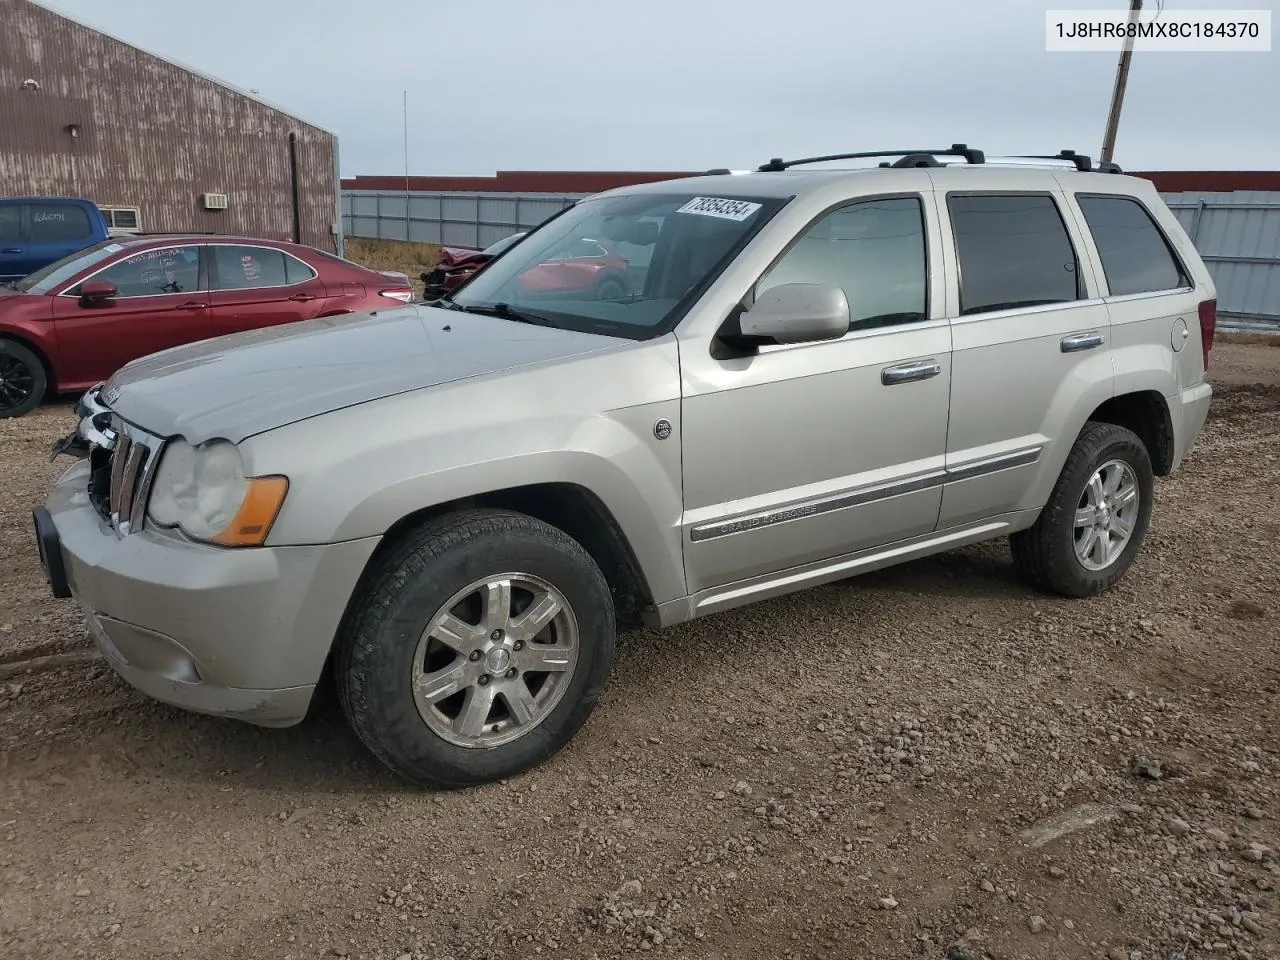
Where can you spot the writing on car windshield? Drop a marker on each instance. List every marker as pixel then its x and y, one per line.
pixel 626 265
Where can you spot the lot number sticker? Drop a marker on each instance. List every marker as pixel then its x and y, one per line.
pixel 724 209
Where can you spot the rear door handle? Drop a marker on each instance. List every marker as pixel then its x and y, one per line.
pixel 910 372
pixel 1081 341
pixel 302 297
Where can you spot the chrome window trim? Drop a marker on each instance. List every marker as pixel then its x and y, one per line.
pixel 143 296
pixel 1024 311
pixel 258 246
pixel 857 496
pixel 899 328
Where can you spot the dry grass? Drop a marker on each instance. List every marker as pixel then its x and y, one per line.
pixel 1252 339
pixel 410 259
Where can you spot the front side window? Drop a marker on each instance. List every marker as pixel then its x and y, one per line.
pixel 244 268
pixel 624 265
pixel 1014 252
pixel 10 223
pixel 58 222
pixel 874 250
pixel 1135 255
pixel 155 272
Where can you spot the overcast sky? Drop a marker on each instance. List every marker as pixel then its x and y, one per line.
pixel 691 84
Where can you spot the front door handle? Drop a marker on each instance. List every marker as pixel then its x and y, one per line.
pixel 11 250
pixel 190 305
pixel 1081 341
pixel 910 372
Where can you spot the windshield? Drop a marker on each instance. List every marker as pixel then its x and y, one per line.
pixel 50 277
pixel 626 265
pixel 496 248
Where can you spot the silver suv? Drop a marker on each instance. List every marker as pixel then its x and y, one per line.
pixel 809 373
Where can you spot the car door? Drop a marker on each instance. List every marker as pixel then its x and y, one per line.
pixel 805 452
pixel 159 303
pixel 57 229
pixel 13 246
pixel 253 286
pixel 1031 341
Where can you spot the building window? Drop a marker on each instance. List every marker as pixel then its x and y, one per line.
pixel 122 219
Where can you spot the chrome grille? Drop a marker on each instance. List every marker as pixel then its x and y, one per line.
pixel 134 456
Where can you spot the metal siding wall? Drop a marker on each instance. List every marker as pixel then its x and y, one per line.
pixel 1238 235
pixel 151 135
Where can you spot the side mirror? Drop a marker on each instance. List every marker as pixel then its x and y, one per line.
pixel 97 290
pixel 797 313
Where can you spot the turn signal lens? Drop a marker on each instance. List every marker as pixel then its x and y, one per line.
pixel 258 510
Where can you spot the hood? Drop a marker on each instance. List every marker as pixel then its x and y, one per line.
pixel 452 255
pixel 238 385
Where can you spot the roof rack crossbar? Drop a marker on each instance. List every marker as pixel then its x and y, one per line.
pixel 1083 163
pixel 908 158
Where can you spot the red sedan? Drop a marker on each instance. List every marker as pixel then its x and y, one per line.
pixel 77 321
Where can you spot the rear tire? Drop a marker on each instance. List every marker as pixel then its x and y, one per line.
pixel 23 380
pixel 1090 531
pixel 437 671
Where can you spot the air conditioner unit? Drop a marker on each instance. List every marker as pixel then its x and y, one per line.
pixel 213 201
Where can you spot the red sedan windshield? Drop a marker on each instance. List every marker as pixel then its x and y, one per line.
pixel 55 274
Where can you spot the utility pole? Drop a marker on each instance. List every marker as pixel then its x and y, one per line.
pixel 1117 94
pixel 406 164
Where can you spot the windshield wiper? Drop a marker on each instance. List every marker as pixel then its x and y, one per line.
pixel 504 311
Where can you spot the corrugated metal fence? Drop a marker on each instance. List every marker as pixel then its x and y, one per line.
pixel 472 220
pixel 1237 233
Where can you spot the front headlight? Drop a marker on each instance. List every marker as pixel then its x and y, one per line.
pixel 203 492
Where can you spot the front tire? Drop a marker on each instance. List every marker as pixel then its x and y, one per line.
pixel 23 380
pixel 477 648
pixel 1090 531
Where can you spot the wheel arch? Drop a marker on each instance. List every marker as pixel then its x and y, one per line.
pixel 569 507
pixel 51 377
pixel 1145 413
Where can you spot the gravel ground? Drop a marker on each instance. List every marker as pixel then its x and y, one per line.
pixel 933 761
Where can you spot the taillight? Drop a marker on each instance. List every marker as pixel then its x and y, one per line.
pixel 403 294
pixel 1208 327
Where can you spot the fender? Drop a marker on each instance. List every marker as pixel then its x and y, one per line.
pixel 357 472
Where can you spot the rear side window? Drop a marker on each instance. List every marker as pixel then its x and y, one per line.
pixel 10 223
pixel 1135 255
pixel 243 268
pixel 874 250
pixel 58 222
pixel 295 271
pixel 1014 252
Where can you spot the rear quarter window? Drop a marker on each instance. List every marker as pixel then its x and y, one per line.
pixel 1136 256
pixel 58 222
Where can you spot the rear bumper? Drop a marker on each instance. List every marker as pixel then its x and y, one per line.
pixel 237 633
pixel 1189 419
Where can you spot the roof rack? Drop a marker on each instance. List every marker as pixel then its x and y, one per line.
pixel 929 158
pixel 1083 163
pixel 907 158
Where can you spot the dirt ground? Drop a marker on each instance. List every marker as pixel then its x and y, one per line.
pixel 933 761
